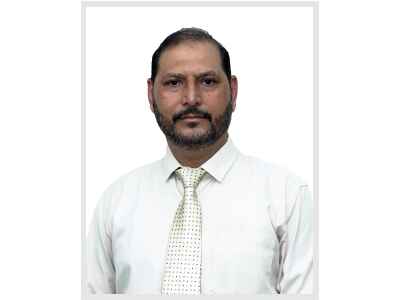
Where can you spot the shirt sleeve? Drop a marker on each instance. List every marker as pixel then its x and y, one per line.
pixel 100 266
pixel 296 242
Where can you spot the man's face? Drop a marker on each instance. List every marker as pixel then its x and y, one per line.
pixel 191 96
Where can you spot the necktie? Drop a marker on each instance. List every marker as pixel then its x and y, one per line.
pixel 182 275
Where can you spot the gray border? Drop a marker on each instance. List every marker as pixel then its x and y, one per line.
pixel 314 5
pixel 83 151
pixel 197 3
pixel 316 146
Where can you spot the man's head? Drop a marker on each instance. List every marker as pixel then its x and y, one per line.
pixel 187 35
pixel 191 77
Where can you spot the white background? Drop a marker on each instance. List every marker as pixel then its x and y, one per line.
pixel 271 54
pixel 40 149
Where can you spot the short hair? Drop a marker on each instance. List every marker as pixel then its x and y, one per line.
pixel 189 34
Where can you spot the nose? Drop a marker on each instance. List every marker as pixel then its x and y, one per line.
pixel 191 95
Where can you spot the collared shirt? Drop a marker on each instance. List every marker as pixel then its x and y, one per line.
pixel 257 234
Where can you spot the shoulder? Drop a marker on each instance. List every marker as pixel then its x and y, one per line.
pixel 126 184
pixel 284 188
pixel 282 185
pixel 134 178
pixel 144 172
pixel 275 174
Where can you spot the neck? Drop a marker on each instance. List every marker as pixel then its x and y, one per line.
pixel 194 158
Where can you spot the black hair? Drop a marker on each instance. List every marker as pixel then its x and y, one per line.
pixel 189 34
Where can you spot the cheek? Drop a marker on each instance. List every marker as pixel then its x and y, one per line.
pixel 216 101
pixel 167 103
pixel 219 95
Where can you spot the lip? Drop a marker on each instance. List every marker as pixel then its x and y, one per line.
pixel 192 117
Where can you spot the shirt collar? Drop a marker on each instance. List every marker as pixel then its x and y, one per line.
pixel 217 165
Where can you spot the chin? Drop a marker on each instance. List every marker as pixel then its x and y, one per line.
pixel 196 134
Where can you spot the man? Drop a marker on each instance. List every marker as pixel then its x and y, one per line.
pixel 205 219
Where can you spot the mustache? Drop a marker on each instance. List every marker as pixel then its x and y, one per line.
pixel 191 110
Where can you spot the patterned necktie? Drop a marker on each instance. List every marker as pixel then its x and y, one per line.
pixel 182 275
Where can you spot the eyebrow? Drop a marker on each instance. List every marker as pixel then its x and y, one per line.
pixel 180 75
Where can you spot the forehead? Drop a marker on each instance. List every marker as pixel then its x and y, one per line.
pixel 190 57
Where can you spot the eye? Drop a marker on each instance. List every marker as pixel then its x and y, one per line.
pixel 172 83
pixel 208 81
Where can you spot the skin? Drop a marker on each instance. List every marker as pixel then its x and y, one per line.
pixel 190 76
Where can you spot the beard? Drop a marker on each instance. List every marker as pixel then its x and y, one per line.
pixel 196 141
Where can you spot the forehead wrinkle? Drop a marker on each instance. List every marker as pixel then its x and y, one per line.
pixel 173 74
pixel 185 56
pixel 190 65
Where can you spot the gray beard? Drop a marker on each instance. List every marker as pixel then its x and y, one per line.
pixel 216 130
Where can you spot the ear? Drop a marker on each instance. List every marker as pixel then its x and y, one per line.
pixel 150 87
pixel 234 91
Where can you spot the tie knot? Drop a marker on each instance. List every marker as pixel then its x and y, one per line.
pixel 190 176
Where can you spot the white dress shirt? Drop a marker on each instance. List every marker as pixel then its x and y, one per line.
pixel 257 234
